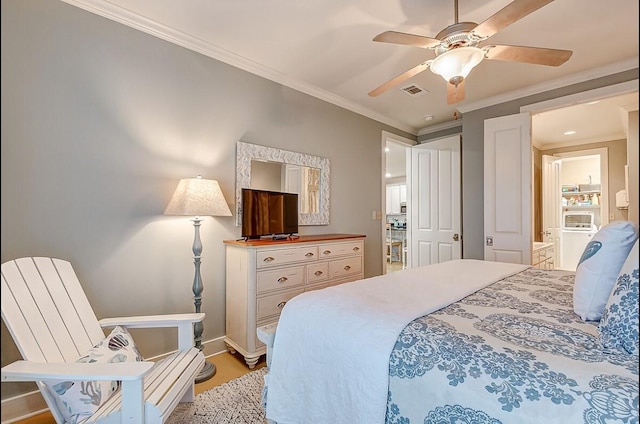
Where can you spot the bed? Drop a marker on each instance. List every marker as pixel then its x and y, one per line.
pixel 463 341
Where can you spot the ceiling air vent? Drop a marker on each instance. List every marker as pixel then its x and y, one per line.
pixel 414 90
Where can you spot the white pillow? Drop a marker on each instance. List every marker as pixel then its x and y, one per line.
pixel 78 400
pixel 599 266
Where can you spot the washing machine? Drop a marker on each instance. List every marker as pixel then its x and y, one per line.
pixel 577 231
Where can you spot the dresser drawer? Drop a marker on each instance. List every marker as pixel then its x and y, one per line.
pixel 273 304
pixel 280 278
pixel 343 267
pixel 265 258
pixel 340 249
pixel 317 272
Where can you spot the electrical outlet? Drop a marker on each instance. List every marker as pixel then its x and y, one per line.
pixel 373 215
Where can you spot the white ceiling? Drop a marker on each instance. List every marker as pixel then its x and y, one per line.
pixel 604 120
pixel 325 48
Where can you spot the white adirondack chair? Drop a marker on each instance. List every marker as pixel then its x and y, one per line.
pixel 52 323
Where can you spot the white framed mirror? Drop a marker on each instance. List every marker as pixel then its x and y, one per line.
pixel 267 168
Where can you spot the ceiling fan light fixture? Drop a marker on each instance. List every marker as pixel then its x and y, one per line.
pixel 454 65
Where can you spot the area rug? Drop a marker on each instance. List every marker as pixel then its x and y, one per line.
pixel 238 401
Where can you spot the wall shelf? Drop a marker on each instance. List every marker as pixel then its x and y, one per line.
pixel 574 207
pixel 579 193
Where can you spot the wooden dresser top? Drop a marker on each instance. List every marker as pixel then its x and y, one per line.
pixel 292 240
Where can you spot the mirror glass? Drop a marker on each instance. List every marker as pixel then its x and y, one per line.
pixel 266 168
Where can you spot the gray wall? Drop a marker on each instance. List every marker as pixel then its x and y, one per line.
pixel 100 121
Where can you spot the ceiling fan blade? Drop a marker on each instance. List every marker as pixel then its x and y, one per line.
pixel 535 55
pixel 400 78
pixel 455 94
pixel 509 14
pixel 406 39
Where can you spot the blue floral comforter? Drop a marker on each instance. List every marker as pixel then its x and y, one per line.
pixel 513 352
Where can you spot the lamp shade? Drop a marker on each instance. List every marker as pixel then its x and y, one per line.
pixel 198 197
pixel 454 65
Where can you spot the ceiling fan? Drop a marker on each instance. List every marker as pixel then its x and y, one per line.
pixel 458 50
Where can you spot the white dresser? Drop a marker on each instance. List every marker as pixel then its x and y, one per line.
pixel 262 275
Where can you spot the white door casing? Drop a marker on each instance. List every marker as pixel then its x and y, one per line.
pixel 508 189
pixel 552 205
pixel 434 233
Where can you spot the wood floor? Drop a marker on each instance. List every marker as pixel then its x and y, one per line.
pixel 394 266
pixel 228 367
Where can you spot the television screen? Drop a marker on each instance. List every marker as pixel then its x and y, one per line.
pixel 267 213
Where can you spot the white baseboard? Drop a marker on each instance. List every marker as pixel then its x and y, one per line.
pixel 29 404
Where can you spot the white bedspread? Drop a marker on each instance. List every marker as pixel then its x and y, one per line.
pixel 331 352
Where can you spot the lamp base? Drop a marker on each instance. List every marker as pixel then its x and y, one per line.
pixel 207 371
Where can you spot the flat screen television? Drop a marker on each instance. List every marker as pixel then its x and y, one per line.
pixel 268 213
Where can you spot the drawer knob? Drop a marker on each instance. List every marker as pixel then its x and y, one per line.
pixel 317 273
pixel 356 249
pixel 281 304
pixel 268 259
pixel 326 252
pixel 282 279
pixel 347 268
pixel 308 255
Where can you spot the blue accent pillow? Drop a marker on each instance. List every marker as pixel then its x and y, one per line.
pixel 599 266
pixel 619 324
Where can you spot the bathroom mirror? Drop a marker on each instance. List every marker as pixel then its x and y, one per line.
pixel 267 168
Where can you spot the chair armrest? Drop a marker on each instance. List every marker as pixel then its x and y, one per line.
pixel 37 371
pixel 153 321
pixel 184 323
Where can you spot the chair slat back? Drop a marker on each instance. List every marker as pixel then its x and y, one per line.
pixel 46 310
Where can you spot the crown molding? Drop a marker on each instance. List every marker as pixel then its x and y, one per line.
pixel 133 20
pixel 552 85
pixel 441 127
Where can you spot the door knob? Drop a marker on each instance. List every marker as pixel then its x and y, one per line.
pixel 456 237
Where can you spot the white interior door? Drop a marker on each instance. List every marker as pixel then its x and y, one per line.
pixel 434 202
pixel 508 189
pixel 552 205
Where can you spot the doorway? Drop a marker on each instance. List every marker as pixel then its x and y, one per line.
pixel 395 207
pixel 580 175
pixel 421 207
pixel 574 202
pixel 513 133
